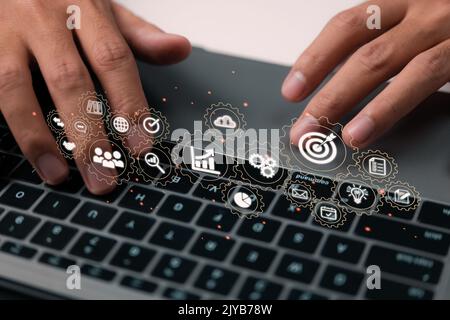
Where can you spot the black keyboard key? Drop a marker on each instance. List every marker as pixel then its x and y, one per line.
pixel 403 234
pixel 343 249
pixel 297 294
pixel 177 294
pixel 211 191
pixel 389 211
pixel 435 214
pixel 92 246
pixel 26 172
pixel 141 199
pixel 132 225
pixel 56 261
pixel 7 141
pixel 300 239
pixel 391 290
pixel 217 280
pixel 94 216
pixel 172 236
pixel 98 272
pixel 283 208
pixel 106 198
pixel 73 183
pixel 254 257
pixel 350 217
pixel 212 246
pixel 8 163
pixel 18 250
pixel 56 205
pixel 341 280
pixel 138 284
pixel 405 264
pixel 180 183
pixel 53 235
pixel 321 186
pixel 20 196
pixel 178 208
pixel 133 257
pixel 261 229
pixel 297 268
pixel 18 225
pixel 260 289
pixel 217 218
pixel 174 268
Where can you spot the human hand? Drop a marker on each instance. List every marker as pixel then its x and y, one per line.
pixel 413 44
pixel 35 31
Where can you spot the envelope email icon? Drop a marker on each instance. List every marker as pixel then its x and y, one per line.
pixel 300 194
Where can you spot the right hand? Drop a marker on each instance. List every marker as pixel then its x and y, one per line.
pixel 35 31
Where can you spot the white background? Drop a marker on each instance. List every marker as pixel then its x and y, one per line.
pixel 268 30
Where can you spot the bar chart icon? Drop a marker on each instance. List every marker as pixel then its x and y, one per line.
pixel 204 162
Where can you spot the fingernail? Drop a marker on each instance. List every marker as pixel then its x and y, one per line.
pixel 51 169
pixel 294 85
pixel 360 129
pixel 306 123
pixel 96 186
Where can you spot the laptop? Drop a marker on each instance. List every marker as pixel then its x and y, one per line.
pixel 208 251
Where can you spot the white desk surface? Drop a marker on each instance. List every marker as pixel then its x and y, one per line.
pixel 268 30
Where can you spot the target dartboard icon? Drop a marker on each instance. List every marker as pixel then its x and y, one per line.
pixel 318 148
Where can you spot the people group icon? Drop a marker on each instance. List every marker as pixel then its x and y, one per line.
pixel 108 159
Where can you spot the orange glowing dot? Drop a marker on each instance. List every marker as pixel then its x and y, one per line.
pixel 227 237
pixel 390 214
pixel 245 104
pixel 164 99
pixel 367 229
pixel 209 92
pixel 141 203
pixel 298 209
pixel 219 226
pixel 34 114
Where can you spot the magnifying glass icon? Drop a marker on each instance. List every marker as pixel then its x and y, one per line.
pixel 152 160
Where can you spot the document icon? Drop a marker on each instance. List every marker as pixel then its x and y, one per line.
pixel 298 193
pixel 402 196
pixel 378 166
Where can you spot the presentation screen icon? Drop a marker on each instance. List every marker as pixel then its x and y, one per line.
pixel 378 166
pixel 204 162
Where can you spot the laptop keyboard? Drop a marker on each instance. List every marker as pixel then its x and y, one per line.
pixel 180 242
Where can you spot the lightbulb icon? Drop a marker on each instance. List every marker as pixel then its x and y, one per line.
pixel 358 193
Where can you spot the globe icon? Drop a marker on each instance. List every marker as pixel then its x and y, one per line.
pixel 120 124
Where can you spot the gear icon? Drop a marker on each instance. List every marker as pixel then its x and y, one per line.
pixel 225 118
pixel 355 194
pixel 256 160
pixel 317 150
pixel 402 196
pixel 262 168
pixel 108 161
pixel 299 194
pixel 329 214
pixel 377 166
pixel 243 200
